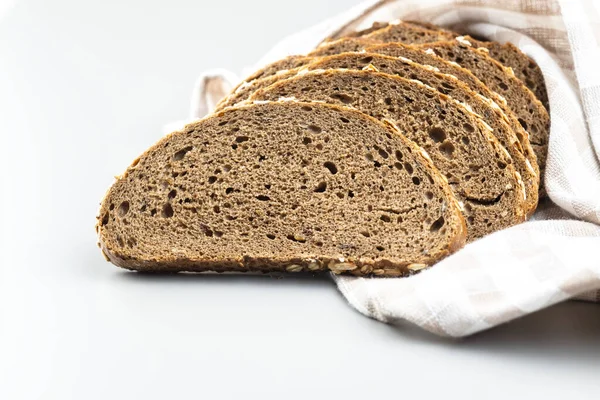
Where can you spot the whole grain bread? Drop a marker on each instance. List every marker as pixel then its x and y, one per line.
pixel 461 146
pixel 524 162
pixel 238 93
pixel 527 108
pixel 282 186
pixel 464 75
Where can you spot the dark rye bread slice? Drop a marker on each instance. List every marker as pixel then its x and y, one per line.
pixel 239 92
pixel 524 68
pixel 464 75
pixel 344 45
pixel 401 32
pixel 281 186
pixel 451 86
pixel 459 143
pixel 526 107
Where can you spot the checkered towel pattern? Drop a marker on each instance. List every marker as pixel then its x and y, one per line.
pixel 553 257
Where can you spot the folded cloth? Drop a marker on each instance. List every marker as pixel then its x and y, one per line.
pixel 551 258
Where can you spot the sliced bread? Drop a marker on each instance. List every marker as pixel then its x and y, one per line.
pixel 464 75
pixel 282 186
pixel 461 146
pixel 524 162
pixel 527 108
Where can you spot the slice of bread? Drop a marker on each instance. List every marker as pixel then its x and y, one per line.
pixel 402 32
pixel 238 93
pixel 464 75
pixel 524 67
pixel 460 144
pixel 527 108
pixel 525 163
pixel 281 186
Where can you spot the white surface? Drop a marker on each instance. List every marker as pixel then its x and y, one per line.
pixel 85 86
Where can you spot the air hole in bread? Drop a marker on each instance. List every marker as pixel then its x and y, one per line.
pixel 229 190
pixel 399 155
pixel 465 140
pixel 380 248
pixel 172 194
pixel 340 195
pixel 298 239
pixel 319 146
pixel 365 233
pixel 350 194
pixel 234 146
pixel 468 127
pixel 366 60
pixel 112 207
pixel 262 197
pixel 383 153
pixel 503 86
pixel 408 168
pixel 167 211
pixel 241 139
pixel 105 219
pixel 437 225
pixel 447 148
pixel 429 195
pixel 218 234
pixel 271 236
pixel 207 231
pixel 306 108
pixel 344 98
pixel 416 180
pixel 306 141
pixel 501 165
pixel 344 120
pixel 217 209
pixel 385 218
pixel 123 209
pixel 321 187
pixel 212 179
pixel 181 153
pixel 331 167
pixel 120 241
pixel 398 165
pixel 437 134
pixel 315 129
pixel 388 101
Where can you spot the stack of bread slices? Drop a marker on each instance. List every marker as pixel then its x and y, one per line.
pixel 377 154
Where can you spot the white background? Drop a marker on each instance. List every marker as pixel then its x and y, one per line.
pixel 85 86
